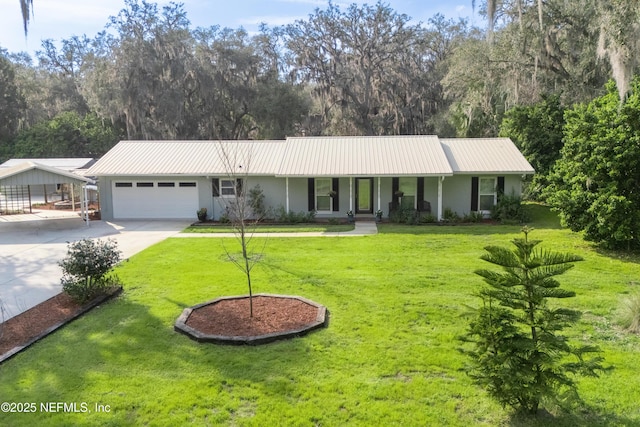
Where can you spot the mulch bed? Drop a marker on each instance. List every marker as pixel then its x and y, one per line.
pixel 230 317
pixel 31 325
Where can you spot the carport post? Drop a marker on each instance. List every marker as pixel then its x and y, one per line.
pixel 85 204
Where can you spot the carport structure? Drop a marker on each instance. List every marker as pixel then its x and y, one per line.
pixel 16 183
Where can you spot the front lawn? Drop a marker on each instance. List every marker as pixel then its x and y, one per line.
pixel 389 357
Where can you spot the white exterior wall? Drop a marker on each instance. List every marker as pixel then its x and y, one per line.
pixel 513 183
pixel 456 194
pixel 273 189
pixel 456 191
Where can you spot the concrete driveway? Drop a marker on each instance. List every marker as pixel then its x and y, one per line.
pixel 30 251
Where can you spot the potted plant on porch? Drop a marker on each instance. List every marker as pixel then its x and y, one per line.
pixel 202 214
pixel 350 216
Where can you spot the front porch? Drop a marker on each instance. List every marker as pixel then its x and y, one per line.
pixel 332 197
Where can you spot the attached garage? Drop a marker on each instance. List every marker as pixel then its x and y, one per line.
pixel 154 199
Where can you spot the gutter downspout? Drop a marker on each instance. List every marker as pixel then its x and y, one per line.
pixel 286 180
pixel 379 200
pixel 351 193
pixel 440 198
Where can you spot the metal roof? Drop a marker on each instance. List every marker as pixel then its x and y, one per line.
pixel 190 158
pixel 485 155
pixel 364 156
pixel 67 164
pixel 31 173
pixel 315 156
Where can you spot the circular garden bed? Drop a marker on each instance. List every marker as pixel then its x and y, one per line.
pixel 227 320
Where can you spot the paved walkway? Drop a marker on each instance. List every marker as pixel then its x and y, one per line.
pixel 39 214
pixel 362 228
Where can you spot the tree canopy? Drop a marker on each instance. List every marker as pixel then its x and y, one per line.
pixel 595 183
pixel 358 69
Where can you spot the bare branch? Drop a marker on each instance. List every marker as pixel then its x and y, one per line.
pixel 236 158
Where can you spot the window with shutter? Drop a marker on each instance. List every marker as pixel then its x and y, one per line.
pixel 487 194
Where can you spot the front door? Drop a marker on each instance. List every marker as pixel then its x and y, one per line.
pixel 364 195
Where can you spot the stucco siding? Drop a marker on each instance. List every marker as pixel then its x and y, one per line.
pixel 513 183
pixel 106 198
pixel 272 188
pixel 457 191
pixel 456 194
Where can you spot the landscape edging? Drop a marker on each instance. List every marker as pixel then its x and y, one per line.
pixel 85 308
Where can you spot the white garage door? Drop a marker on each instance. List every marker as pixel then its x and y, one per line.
pixel 155 199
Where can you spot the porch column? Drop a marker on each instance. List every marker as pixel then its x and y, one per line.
pixel 351 193
pixel 286 180
pixel 379 200
pixel 440 179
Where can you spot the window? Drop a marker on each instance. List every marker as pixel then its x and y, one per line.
pixel 227 187
pixel 323 197
pixel 408 187
pixel 144 184
pixel 166 184
pixel 187 184
pixel 487 194
pixel 124 184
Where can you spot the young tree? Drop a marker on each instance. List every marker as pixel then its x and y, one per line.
pixel 518 354
pixel 236 158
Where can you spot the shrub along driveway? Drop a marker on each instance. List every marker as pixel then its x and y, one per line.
pixel 30 251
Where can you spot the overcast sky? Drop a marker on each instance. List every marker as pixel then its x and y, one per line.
pixel 61 19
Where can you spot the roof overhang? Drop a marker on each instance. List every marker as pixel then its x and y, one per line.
pixel 32 173
pixel 371 175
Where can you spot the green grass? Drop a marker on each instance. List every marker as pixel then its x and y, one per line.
pixel 389 356
pixel 274 228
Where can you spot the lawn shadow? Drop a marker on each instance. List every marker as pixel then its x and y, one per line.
pixel 279 361
pixel 105 341
pixel 587 416
pixel 628 257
